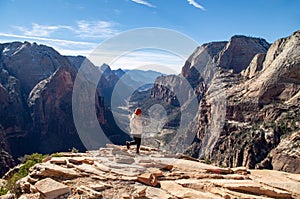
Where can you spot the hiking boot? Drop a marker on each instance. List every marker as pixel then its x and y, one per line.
pixel 128 145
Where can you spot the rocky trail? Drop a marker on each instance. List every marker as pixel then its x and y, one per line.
pixel 115 172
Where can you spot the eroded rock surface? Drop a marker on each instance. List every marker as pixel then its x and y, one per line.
pixel 152 174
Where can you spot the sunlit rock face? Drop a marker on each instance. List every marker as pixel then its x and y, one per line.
pixel 262 111
pixel 248 92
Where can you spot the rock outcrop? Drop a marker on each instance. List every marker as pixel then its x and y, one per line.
pixel 261 114
pixel 30 63
pixel 255 66
pixel 36 85
pixel 115 172
pixel 248 94
pixel 50 103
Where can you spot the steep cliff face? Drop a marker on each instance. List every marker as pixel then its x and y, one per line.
pixel 6 160
pixel 255 66
pixel 15 118
pixel 261 114
pixel 239 51
pixel 50 102
pixel 36 85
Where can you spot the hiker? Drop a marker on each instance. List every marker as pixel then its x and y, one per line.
pixel 136 128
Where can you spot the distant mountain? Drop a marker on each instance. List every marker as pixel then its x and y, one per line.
pixel 146 77
pixel 247 94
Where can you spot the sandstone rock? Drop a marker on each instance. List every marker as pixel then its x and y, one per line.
pixel 8 196
pixel 24 185
pixel 31 196
pixel 182 192
pixel 86 168
pixel 140 191
pixel 58 160
pixel 51 189
pixel 220 171
pixel 240 50
pixel 124 160
pixel 225 193
pixel 51 170
pixel 277 179
pixel 155 171
pixel 255 66
pixel 286 156
pixel 81 160
pixel 240 170
pixel 187 179
pixel 90 192
pixel 156 193
pixel 130 172
pixel 156 163
pixel 148 179
pixel 249 186
pixel 246 138
pixel 100 186
pixel 102 167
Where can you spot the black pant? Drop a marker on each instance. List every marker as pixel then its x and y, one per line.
pixel 137 141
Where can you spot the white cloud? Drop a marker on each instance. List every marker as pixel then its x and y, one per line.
pixel 83 29
pixel 144 3
pixel 64 47
pixel 197 5
pixel 62 41
pixel 40 30
pixel 95 29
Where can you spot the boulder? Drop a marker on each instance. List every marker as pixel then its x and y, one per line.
pixel 51 189
pixel 148 179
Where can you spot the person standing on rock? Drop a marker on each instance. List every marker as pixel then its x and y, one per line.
pixel 136 128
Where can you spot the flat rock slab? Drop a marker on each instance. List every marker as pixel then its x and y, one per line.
pixel 183 192
pixel 52 170
pixel 51 189
pixel 156 193
pixel 124 160
pixel 58 160
pixel 249 186
pixel 81 160
pixel 100 186
pixel 278 179
pixel 89 169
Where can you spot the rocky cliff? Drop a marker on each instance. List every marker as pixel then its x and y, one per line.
pixel 36 84
pixel 114 172
pixel 30 63
pixel 248 92
pixel 6 161
pixel 261 114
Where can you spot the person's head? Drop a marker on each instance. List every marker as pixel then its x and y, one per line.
pixel 138 111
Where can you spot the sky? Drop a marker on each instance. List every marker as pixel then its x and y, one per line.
pixel 77 27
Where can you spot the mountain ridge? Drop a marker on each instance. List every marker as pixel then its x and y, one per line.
pixel 257 113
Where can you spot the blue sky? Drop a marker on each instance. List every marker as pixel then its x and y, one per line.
pixel 77 26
